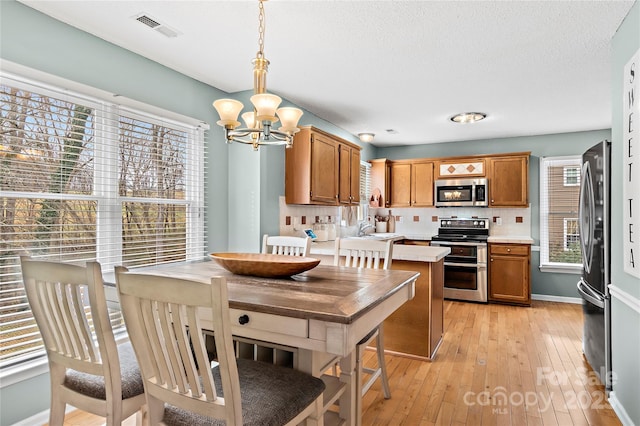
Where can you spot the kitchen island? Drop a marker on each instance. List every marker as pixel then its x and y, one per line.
pixel 417 327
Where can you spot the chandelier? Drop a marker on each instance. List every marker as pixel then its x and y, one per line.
pixel 265 114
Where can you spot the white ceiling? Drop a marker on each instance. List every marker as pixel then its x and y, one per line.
pixel 535 67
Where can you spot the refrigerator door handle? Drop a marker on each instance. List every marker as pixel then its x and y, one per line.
pixel 586 218
pixel 589 295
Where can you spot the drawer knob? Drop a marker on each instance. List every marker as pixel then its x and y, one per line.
pixel 243 319
pixel 508 249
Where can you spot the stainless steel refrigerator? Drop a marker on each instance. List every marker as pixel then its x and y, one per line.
pixel 594 222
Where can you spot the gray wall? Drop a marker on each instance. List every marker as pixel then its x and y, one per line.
pixel 32 39
pixel 546 283
pixel 625 321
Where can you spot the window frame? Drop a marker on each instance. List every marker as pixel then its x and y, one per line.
pixel 545 264
pixel 14 75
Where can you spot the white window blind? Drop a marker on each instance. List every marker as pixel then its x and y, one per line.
pixel 559 198
pixel 83 179
pixel 365 182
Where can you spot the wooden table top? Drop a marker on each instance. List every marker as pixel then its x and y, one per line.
pixel 326 293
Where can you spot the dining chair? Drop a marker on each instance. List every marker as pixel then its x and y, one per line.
pixel 292 246
pixel 88 370
pixel 375 254
pixel 165 317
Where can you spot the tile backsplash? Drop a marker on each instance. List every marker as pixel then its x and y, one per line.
pixel 418 222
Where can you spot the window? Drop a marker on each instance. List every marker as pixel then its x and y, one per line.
pixel 365 190
pixel 571 175
pixel 365 182
pixel 559 197
pixel 82 179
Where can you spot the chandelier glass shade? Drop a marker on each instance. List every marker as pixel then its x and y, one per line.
pixel 259 123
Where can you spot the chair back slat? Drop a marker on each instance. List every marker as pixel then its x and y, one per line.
pixel 170 345
pixel 363 253
pixel 286 245
pixel 64 313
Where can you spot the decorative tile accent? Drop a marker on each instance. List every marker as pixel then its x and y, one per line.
pixel 462 169
pixel 518 219
pixel 434 218
pixel 287 220
pixel 303 220
pixel 416 218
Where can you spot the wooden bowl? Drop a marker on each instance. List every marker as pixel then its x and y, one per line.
pixel 264 265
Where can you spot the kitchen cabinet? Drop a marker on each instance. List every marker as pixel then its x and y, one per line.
pixel 320 169
pixel 348 174
pixel 509 181
pixel 509 273
pixel 411 184
pixel 379 183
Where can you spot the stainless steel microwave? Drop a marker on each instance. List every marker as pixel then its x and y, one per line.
pixel 461 193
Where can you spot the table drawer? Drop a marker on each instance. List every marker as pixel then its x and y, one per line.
pixel 515 249
pixel 272 323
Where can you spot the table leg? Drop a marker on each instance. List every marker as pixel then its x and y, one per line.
pixel 349 409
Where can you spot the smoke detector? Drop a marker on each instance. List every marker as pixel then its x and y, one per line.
pixel 156 25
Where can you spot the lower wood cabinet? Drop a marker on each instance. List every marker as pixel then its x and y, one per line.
pixel 509 273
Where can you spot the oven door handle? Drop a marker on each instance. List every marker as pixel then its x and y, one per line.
pixel 448 244
pixel 464 265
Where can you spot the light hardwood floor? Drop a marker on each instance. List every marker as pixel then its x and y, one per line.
pixel 497 365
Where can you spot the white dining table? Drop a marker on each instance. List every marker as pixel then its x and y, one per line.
pixel 323 312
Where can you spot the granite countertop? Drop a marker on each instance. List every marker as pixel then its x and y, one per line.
pixel 513 239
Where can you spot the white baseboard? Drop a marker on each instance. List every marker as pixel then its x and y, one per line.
pixel 561 299
pixel 41 418
pixel 619 409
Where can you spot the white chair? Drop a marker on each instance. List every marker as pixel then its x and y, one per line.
pixel 292 246
pixel 164 318
pixel 364 253
pixel 88 370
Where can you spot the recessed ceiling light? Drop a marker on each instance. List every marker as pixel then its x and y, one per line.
pixel 366 137
pixel 468 117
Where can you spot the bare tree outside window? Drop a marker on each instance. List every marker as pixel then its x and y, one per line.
pixel 77 184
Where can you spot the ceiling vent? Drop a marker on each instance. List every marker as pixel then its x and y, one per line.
pixel 156 25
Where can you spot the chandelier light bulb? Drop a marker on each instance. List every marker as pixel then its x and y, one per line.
pixel 289 118
pixel 266 105
pixel 228 110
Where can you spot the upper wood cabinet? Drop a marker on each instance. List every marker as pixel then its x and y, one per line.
pixel 422 184
pixel 380 183
pixel 349 174
pixel 319 169
pixel 508 181
pixel 403 183
pixel 409 183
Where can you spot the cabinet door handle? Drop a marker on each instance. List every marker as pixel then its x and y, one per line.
pixel 243 319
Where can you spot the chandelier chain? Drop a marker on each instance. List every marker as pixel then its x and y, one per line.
pixel 261 25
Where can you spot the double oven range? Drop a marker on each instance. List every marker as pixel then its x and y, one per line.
pixel 465 268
